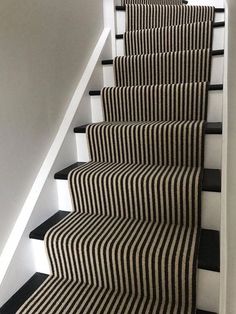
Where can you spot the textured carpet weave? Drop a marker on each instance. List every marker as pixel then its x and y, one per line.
pixel 159 143
pixel 160 2
pixel 163 68
pixel 156 102
pixel 153 16
pixel 134 257
pixel 166 39
pixel 130 245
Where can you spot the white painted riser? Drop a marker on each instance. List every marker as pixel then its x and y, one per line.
pixel 217 72
pixel 120 21
pixel 217 43
pixel 211 205
pixel 213 150
pixel 214 114
pixel 208 282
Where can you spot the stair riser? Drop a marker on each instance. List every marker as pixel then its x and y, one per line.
pixel 211 204
pixel 217 72
pixel 217 43
pixel 215 103
pixel 120 21
pixel 213 150
pixel 207 282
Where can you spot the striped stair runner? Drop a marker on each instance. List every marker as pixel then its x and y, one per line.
pixel 141 16
pixel 160 2
pixel 168 102
pixel 163 68
pixel 130 246
pixel 191 36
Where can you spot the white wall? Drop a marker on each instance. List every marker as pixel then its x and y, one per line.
pixel 44 47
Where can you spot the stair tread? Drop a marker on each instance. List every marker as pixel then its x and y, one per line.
pixel 215 25
pixel 204 312
pixel 40 232
pixel 218 52
pixel 211 177
pixel 211 128
pixel 18 299
pixel 210 87
pixel 122 8
pixel 23 294
pixel 63 174
pixel 209 250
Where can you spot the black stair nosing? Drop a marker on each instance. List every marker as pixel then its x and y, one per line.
pixel 204 312
pixel 219 24
pixel 215 25
pixel 211 181
pixel 215 87
pixel 23 294
pixel 211 87
pixel 218 52
pixel 211 128
pixel 211 177
pixel 219 10
pixel 94 93
pixel 122 8
pixel 40 232
pixel 209 248
pixel 107 62
pixel 63 174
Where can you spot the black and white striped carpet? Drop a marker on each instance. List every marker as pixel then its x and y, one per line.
pixel 130 246
pixel 160 2
pixel 191 36
pixel 142 16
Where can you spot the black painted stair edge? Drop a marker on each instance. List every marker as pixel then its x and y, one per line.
pixel 23 294
pixel 122 8
pixel 209 249
pixel 210 88
pixel 63 174
pixel 40 232
pixel 211 128
pixel 219 52
pixel 204 312
pixel 211 177
pixel 18 299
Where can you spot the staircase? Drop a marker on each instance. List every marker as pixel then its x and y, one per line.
pixel 93 141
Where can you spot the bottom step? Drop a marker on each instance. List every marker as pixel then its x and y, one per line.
pixel 23 294
pixel 19 298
